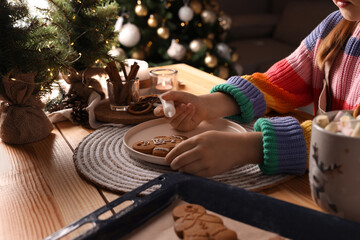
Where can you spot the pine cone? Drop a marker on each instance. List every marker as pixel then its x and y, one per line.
pixel 79 113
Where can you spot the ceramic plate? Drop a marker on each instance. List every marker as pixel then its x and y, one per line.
pixel 160 127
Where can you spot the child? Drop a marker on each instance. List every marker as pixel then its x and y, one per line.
pixel 280 144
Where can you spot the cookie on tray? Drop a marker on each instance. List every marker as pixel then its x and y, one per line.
pixel 193 222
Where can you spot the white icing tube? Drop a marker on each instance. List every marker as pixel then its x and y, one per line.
pixel 168 107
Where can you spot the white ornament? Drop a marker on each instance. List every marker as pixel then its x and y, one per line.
pixel 224 50
pixel 129 35
pixel 239 69
pixel 176 50
pixel 117 53
pixel 118 24
pixel 225 22
pixel 196 45
pixel 186 13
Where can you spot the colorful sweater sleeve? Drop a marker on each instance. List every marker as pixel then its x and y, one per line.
pixel 283 139
pixel 288 84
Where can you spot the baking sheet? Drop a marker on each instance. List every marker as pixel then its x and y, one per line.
pixel 258 210
pixel 161 227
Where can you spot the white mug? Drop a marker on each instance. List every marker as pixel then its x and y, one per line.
pixel 334 171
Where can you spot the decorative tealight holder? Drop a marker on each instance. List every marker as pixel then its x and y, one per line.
pixel 163 80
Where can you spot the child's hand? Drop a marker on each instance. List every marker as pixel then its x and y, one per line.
pixel 189 112
pixel 213 152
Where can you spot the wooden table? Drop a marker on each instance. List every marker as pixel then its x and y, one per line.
pixel 42 193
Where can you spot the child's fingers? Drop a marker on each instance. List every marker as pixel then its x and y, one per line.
pixel 183 116
pixel 183 154
pixel 159 111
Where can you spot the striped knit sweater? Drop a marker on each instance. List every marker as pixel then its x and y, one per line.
pixel 294 82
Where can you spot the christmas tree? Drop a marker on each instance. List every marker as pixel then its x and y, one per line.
pixel 26 46
pixel 168 31
pixel 85 31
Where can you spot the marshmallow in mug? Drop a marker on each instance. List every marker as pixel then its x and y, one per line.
pixel 343 123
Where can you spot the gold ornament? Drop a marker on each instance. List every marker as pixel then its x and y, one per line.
pixel 214 5
pixel 196 6
pixel 223 72
pixel 209 44
pixel 234 57
pixel 163 32
pixel 196 45
pixel 210 60
pixel 152 21
pixel 138 54
pixel 208 16
pixel 141 10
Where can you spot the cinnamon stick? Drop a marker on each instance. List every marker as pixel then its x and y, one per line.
pixel 115 79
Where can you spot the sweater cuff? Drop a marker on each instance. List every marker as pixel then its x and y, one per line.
pixel 251 101
pixel 283 145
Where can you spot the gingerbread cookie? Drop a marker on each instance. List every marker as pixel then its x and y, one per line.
pixel 193 222
pixel 144 146
pixel 178 138
pixel 158 146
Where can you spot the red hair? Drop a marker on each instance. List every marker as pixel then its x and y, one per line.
pixel 333 42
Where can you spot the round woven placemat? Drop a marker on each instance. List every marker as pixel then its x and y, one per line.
pixel 102 159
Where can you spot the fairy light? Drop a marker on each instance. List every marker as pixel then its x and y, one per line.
pixel 72 44
pixel 97 61
pixel 107 41
pixel 13 79
pixel 199 25
pixel 182 24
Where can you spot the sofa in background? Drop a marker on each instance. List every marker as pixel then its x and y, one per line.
pixel 265 31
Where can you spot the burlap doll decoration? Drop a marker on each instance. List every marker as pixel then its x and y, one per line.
pixel 22 118
pixel 82 82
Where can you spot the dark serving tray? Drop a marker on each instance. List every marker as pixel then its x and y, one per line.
pixel 267 213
